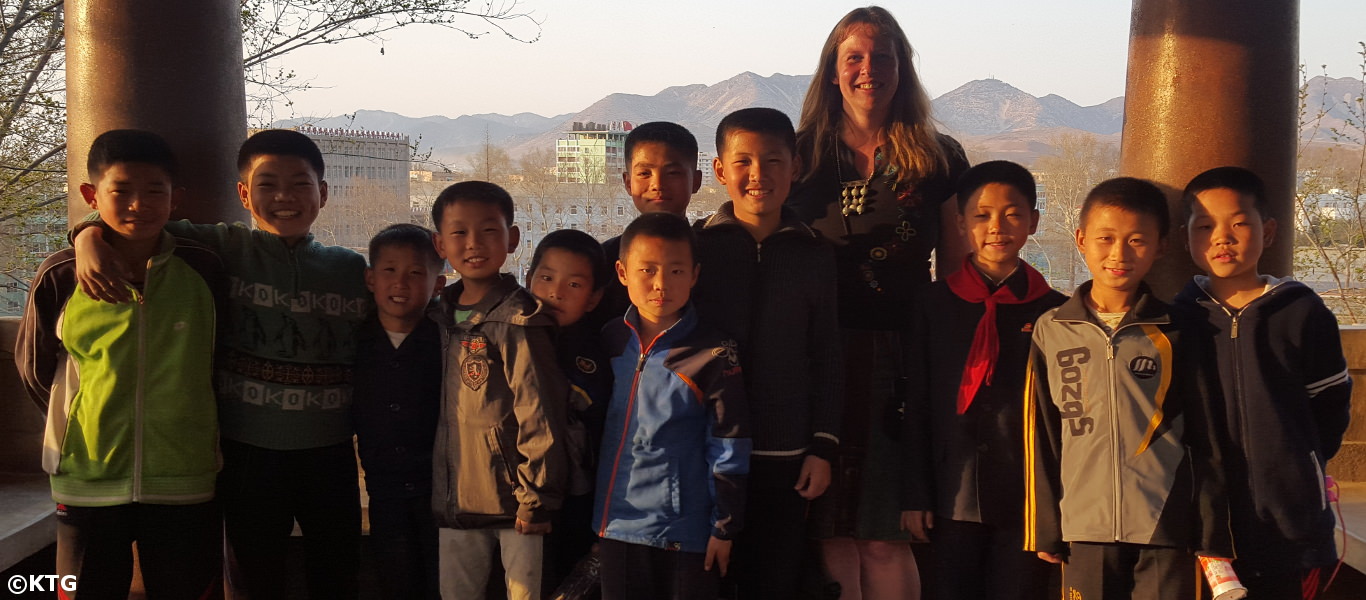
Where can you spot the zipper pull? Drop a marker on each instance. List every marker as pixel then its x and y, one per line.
pixel 1110 349
pixel 1233 334
pixel 758 252
pixel 640 364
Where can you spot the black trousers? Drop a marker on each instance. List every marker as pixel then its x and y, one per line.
pixel 263 492
pixel 403 543
pixel 767 560
pixel 1122 571
pixel 179 549
pixel 637 572
pixel 972 560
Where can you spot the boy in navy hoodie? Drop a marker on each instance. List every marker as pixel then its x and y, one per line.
pixel 1286 391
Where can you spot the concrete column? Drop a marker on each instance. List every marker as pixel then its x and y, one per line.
pixel 169 66
pixel 1213 83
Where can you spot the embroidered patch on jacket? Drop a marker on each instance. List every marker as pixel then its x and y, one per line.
pixel 727 351
pixel 586 365
pixel 475 344
pixel 1028 328
pixel 1143 367
pixel 474 371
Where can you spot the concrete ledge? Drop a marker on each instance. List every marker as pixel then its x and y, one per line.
pixel 28 520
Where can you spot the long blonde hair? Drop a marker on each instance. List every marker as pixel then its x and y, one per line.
pixel 915 150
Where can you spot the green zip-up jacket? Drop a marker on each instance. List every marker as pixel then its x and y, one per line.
pixel 128 388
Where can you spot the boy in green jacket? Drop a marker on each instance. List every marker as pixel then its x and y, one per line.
pixel 132 428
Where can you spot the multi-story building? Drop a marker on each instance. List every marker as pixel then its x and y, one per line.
pixel 368 179
pixel 592 152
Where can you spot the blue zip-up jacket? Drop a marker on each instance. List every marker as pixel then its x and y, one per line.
pixel 675 448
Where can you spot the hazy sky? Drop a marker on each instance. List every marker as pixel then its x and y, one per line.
pixel 590 48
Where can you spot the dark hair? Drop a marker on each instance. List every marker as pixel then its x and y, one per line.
pixel 417 237
pixel 665 226
pixel 764 121
pixel 997 171
pixel 673 135
pixel 574 242
pixel 1130 194
pixel 1238 179
pixel 129 146
pixel 280 142
pixel 482 192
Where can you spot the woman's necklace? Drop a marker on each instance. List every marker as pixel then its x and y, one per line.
pixel 854 194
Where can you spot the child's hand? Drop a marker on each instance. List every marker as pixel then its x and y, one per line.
pixel 718 551
pixel 919 523
pixel 526 528
pixel 814 478
pixel 99 270
pixel 1050 557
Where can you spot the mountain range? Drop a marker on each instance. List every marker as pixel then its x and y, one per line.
pixel 990 117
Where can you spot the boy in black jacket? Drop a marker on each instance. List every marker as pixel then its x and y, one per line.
pixel 397 382
pixel 963 486
pixel 768 280
pixel 1286 391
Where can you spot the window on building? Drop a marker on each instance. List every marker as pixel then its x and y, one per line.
pixel 574 210
pixel 621 210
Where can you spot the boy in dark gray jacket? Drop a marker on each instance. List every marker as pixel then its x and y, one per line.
pixel 1117 460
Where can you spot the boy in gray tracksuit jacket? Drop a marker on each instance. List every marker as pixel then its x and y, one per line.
pixel 1118 477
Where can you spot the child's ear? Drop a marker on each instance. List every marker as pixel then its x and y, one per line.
pixel 514 236
pixel 1033 221
pixel 716 171
pixel 963 224
pixel 322 194
pixel 177 195
pixel 697 179
pixel 244 195
pixel 370 279
pixel 440 285
pixel 621 272
pixel 88 194
pixel 1081 241
pixel 1268 232
pixel 796 167
pixel 626 181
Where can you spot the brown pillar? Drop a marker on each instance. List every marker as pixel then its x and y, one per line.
pixel 1213 83
pixel 169 66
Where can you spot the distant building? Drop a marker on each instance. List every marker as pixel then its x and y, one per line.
pixel 704 164
pixel 368 179
pixel 437 176
pixel 591 152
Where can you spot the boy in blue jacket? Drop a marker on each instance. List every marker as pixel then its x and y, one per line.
pixel 1286 391
pixel 675 449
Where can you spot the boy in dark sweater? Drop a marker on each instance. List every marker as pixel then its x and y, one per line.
pixel 963 487
pixel 397 382
pixel 768 281
pixel 1286 391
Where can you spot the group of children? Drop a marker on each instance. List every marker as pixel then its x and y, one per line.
pixel 672 419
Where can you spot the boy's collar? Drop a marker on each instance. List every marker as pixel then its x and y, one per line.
pixel 687 319
pixel 450 297
pixel 1146 308
pixel 787 219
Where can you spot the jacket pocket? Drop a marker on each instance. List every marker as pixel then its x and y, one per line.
pixel 1318 477
pixel 653 483
pixel 503 465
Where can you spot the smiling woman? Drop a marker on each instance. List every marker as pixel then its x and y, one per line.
pixel 879 184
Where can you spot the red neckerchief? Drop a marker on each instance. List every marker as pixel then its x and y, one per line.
pixel 967 283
